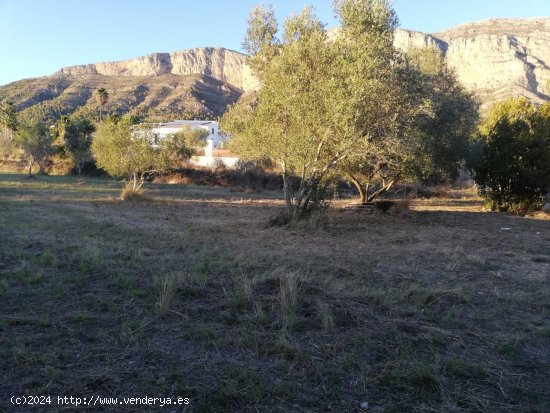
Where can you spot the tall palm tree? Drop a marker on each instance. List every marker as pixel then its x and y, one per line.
pixel 102 97
pixel 8 124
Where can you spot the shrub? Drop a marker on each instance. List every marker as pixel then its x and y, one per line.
pixel 136 152
pixel 512 169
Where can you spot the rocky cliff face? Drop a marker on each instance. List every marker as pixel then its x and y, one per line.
pixel 225 65
pixel 495 58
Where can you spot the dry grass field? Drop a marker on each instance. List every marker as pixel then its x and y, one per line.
pixel 191 294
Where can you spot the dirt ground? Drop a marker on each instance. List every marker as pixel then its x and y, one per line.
pixel 190 294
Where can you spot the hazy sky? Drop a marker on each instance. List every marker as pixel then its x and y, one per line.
pixel 40 36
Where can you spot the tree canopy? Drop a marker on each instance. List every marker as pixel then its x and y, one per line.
pixel 291 120
pixel 75 133
pixel 343 107
pixel 126 150
pixel 445 135
pixel 102 97
pixel 512 169
pixel 34 138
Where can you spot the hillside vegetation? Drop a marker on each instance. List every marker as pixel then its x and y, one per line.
pixel 165 97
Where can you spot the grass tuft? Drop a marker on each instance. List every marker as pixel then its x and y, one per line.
pixel 130 194
pixel 167 286
pixel 289 289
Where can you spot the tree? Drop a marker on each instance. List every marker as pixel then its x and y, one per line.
pixel 514 109
pixel 261 34
pixel 75 133
pixel 185 143
pixel 512 171
pixel 329 108
pixel 35 139
pixel 291 121
pixel 8 125
pixel 102 97
pixel 382 97
pixel 445 135
pixel 133 152
pixel 385 143
pixel 44 112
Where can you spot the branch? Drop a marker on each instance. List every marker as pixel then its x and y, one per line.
pixel 384 188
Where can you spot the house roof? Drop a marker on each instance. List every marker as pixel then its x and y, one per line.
pixel 178 124
pixel 187 122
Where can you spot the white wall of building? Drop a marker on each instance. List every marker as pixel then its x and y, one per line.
pixel 214 140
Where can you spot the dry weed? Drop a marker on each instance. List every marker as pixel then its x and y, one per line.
pixel 167 286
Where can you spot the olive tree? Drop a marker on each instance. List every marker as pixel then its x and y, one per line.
pixel 35 139
pixel 186 143
pixel 382 96
pixel 444 136
pixel 292 120
pixel 134 152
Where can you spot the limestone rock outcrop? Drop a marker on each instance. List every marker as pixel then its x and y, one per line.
pixel 496 58
pixel 223 64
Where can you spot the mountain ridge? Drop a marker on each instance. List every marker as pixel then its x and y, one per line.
pixel 494 58
pixel 221 63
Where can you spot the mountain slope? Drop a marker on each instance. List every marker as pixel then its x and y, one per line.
pixel 167 96
pixel 188 83
pixel 495 58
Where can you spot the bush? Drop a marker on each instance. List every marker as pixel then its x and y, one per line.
pixel 136 152
pixel 512 169
pixel 244 180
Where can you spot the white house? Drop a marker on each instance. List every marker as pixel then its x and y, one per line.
pixel 214 153
pixel 213 140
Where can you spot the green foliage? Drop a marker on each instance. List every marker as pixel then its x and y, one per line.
pixel 186 142
pixel 513 108
pixel 102 97
pixel 8 115
pixel 44 112
pixel 8 125
pixel 261 35
pixel 361 17
pixel 381 97
pixel 352 107
pixel 327 108
pixel 512 168
pixel 120 153
pixel 124 149
pixel 35 139
pixel 75 133
pixel 445 134
pixel 289 120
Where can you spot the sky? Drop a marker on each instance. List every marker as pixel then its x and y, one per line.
pixel 38 37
